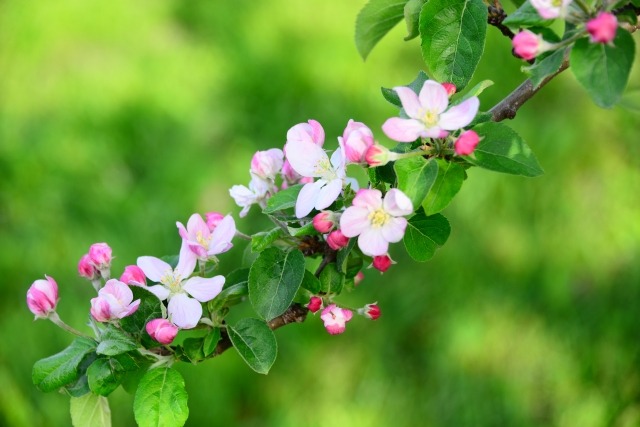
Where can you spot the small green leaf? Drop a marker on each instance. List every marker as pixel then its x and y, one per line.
pixel 284 199
pixel 546 66
pixel 502 150
pixel 416 176
pixel 161 399
pixel 603 70
pixel 62 368
pixel 391 95
pixel 412 18
pixel 311 282
pixel 274 280
pixel 255 343
pixel 113 341
pixel 375 20
pixel 331 280
pixel 260 241
pixel 453 34
pixel 229 296
pixel 80 387
pixel 305 230
pixel 343 254
pixel 446 186
pixel 474 91
pixel 211 341
pixel 149 309
pixel 525 16
pixel 104 375
pixel 425 234
pixel 193 349
pixel 90 410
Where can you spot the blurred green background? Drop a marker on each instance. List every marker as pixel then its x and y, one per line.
pixel 119 118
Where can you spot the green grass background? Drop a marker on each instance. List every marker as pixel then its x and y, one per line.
pixel 119 118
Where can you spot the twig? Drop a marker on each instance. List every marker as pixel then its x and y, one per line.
pixel 495 18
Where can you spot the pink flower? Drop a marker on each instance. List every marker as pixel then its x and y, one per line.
pixel 114 301
pixel 450 88
pixel 550 9
pixel 162 330
pixel 133 275
pixel 202 242
pixel 378 155
pixel 370 311
pixel 358 278
pixel 377 222
pixel 602 29
pixel 311 132
pixel 429 113
pixel 336 240
pixel 86 268
pixel 267 164
pixel 335 319
pixel 466 143
pixel 382 263
pixel 323 222
pixel 100 255
pixel 355 141
pixel 42 297
pixel 528 45
pixel 184 294
pixel 315 304
pixel 213 219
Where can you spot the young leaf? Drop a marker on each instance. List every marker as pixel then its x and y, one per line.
pixel 90 410
pixel 229 296
pixel 274 280
pixel 412 18
pixel 284 199
pixel 416 175
pixel 104 376
pixel 474 91
pixel 149 309
pixel 311 282
pixel 260 241
pixel 453 34
pixel 343 254
pixel 446 186
pixel 546 66
pixel 331 280
pixel 161 399
pixel 603 70
pixel 502 150
pixel 375 20
pixel 113 341
pixel 61 369
pixel 391 95
pixel 255 343
pixel 425 234
pixel 80 387
pixel 211 341
pixel 525 16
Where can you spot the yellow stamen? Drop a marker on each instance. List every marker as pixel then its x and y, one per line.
pixel 378 218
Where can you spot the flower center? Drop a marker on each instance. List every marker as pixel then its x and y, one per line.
pixel 431 118
pixel 172 281
pixel 378 218
pixel 200 239
pixel 556 3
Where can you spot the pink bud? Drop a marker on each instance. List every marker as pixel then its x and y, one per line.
pixel 602 29
pixel 336 240
pixel 377 155
pixel 356 140
pixel 315 304
pixel 114 301
pixel 370 311
pixel 100 255
pixel 133 275
pixel 162 330
pixel 382 263
pixel 323 222
pixel 335 319
pixel 266 164
pixel 466 143
pixel 450 88
pixel 42 297
pixel 527 45
pixel 358 278
pixel 86 268
pixel 213 219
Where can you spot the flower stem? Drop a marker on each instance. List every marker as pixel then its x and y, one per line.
pixel 58 321
pixel 242 235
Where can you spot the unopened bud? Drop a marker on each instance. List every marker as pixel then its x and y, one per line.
pixel 370 311
pixel 527 45
pixel 323 222
pixel 382 263
pixel 213 219
pixel 162 330
pixel 466 143
pixel 133 275
pixel 336 240
pixel 356 140
pixel 358 278
pixel 315 304
pixel 86 268
pixel 450 88
pixel 602 29
pixel 378 155
pixel 266 164
pixel 42 297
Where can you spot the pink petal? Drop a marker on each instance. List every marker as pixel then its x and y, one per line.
pixel 372 242
pixel 130 309
pixel 184 312
pixel 307 198
pixel 403 130
pixel 186 261
pixel 121 292
pixel 354 221
pixel 460 115
pixel 160 291
pixel 222 236
pixel 317 133
pixel 393 230
pixel 154 268
pixel 307 159
pixel 197 225
pixel 433 97
pixel 328 194
pixel 396 203
pixel 347 314
pixel 410 101
pixel 370 199
pixel 204 289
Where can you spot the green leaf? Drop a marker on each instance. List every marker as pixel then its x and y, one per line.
pixel 391 95
pixel 90 410
pixel 274 280
pixel 331 280
pixel 80 387
pixel 305 230
pixel 343 254
pixel 104 375
pixel 161 399
pixel 260 241
pixel 425 234
pixel 311 282
pixel 603 70
pixel 229 296
pixel 474 91
pixel 416 175
pixel 211 341
pixel 255 343
pixel 546 66
pixel 446 186
pixel 525 16
pixel 193 349
pixel 113 341
pixel 284 199
pixel 375 20
pixel 149 309
pixel 502 150
pixel 412 18
pixel 453 34
pixel 481 117
pixel 62 368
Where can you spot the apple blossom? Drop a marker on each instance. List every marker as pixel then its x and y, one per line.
pixel 114 301
pixel 375 220
pixel 429 113
pixel 527 45
pixel 42 297
pixel 335 318
pixel 378 155
pixel 86 268
pixel 336 240
pixel 466 143
pixel 213 219
pixel 267 164
pixel 323 222
pixel 162 330
pixel 550 9
pixel 257 193
pixel 100 255
pixel 382 263
pixel 311 131
pixel 315 304
pixel 450 88
pixel 355 141
pixel 202 242
pixel 133 275
pixel 602 28
pixel 370 311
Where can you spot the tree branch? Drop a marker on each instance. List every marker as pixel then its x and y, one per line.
pixel 495 18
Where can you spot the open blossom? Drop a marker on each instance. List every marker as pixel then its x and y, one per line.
pixel 114 301
pixel 258 192
pixel 184 293
pixel 429 113
pixel 550 9
pixel 202 242
pixel 42 297
pixel 602 28
pixel 355 141
pixel 133 275
pixel 377 222
pixel 335 318
pixel 162 330
pixel 267 164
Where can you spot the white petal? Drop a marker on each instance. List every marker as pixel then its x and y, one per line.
pixel 307 198
pixel 410 101
pixel 393 230
pixel 222 235
pixel 354 221
pixel 242 195
pixel 158 290
pixel 328 194
pixel 186 261
pixel 396 203
pixel 184 312
pixel 403 130
pixel 370 199
pixel 154 268
pixel 204 289
pixel 460 115
pixel 372 243
pixel 433 97
pixel 307 158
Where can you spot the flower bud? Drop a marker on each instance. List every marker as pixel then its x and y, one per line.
pixel 114 301
pixel 466 143
pixel 358 278
pixel 336 240
pixel 355 141
pixel 42 297
pixel 315 304
pixel 370 311
pixel 450 88
pixel 335 319
pixel 382 263
pixel 528 45
pixel 162 330
pixel 213 219
pixel 86 268
pixel 602 29
pixel 266 164
pixel 377 155
pixel 100 255
pixel 133 275
pixel 323 222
